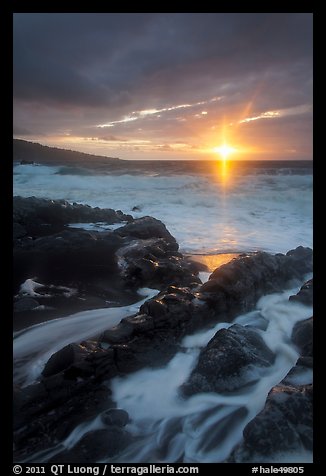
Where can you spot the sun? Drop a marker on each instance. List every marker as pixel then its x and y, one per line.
pixel 224 151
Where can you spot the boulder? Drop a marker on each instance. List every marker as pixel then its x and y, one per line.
pixel 305 295
pixel 284 425
pixel 235 287
pixel 146 228
pixel 47 412
pixel 69 355
pixel 67 254
pixel 302 336
pixel 73 389
pixel 231 360
pixel 115 417
pixel 41 216
pixel 155 263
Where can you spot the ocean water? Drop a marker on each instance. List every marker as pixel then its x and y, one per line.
pixel 209 207
pixel 167 428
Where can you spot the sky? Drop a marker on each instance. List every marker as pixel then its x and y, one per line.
pixel 165 85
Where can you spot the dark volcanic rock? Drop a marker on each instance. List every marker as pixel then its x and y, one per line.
pixel 107 264
pixel 155 262
pixel 46 413
pixel 25 304
pixel 147 228
pixel 18 231
pixel 305 295
pixel 302 336
pixel 285 424
pixel 236 286
pixel 151 338
pixel 39 216
pixel 115 416
pixel 73 258
pixel 230 361
pixel 69 355
pixel 71 254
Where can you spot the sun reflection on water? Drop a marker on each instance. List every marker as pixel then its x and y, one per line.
pixel 223 171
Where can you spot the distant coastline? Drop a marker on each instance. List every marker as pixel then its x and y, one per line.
pixel 27 153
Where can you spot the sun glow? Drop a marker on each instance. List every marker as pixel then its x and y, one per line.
pixel 224 151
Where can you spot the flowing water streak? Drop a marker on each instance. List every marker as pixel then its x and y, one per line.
pixel 34 345
pixel 205 427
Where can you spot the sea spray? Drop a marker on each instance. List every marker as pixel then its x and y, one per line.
pixel 262 209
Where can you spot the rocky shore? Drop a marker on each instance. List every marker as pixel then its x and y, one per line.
pixel 60 269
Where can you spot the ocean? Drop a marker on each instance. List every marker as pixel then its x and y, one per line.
pixel 210 207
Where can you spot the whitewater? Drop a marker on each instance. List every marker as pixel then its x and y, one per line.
pixel 256 209
pixel 167 428
pixel 269 210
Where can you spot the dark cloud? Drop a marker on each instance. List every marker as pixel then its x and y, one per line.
pixel 74 71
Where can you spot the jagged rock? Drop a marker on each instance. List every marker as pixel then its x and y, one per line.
pixel 148 228
pixel 302 336
pixel 72 256
pixel 230 361
pixel 151 338
pixel 69 355
pixel 305 295
pixel 115 416
pixel 40 216
pixel 154 262
pixel 47 413
pixel 100 266
pixel 236 286
pixel 285 424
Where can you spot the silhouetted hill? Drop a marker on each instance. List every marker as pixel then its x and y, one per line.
pixel 25 152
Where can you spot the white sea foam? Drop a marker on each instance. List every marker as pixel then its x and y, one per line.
pixel 34 345
pixel 256 211
pixel 98 226
pixel 273 213
pixel 207 426
pixel 29 286
pixel 201 428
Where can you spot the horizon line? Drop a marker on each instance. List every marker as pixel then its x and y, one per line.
pixel 165 159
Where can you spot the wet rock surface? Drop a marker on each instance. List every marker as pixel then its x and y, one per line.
pixel 40 216
pixel 235 287
pixel 73 386
pixel 286 422
pixel 305 295
pixel 105 268
pixel 230 361
pixel 284 425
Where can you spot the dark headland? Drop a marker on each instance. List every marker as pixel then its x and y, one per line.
pixel 26 152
